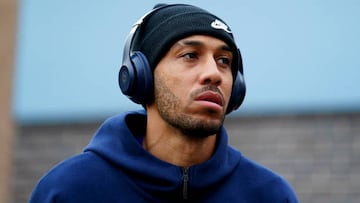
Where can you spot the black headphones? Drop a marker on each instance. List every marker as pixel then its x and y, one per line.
pixel 136 77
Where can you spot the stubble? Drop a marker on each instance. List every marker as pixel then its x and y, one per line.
pixel 170 109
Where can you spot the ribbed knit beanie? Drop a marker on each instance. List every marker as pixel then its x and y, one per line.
pixel 175 22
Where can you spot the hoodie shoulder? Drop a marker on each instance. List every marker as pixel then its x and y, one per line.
pixel 82 178
pixel 263 184
pixel 67 176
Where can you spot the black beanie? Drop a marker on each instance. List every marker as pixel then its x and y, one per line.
pixel 174 22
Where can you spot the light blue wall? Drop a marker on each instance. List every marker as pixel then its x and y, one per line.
pixel 299 56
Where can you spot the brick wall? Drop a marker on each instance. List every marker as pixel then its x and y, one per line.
pixel 318 154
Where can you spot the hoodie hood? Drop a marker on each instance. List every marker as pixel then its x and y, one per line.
pixel 117 141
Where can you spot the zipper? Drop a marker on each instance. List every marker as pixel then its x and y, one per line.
pixel 185 182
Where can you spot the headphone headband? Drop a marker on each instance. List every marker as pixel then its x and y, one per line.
pixel 131 36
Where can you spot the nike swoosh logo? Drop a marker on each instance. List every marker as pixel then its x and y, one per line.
pixel 217 24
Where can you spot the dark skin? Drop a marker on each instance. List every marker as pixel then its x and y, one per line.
pixel 193 84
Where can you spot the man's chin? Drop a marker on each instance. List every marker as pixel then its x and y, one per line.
pixel 209 115
pixel 201 128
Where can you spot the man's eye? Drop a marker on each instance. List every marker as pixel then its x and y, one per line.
pixel 225 61
pixel 189 55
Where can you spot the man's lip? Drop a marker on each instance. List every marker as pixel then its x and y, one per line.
pixel 211 96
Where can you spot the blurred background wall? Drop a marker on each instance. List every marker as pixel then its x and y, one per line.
pixel 8 16
pixel 300 116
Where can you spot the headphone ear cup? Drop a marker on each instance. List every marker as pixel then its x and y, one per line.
pixel 126 79
pixel 237 94
pixel 136 79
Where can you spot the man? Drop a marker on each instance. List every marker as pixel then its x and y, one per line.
pixel 182 64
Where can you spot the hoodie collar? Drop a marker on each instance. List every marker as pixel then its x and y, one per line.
pixel 115 141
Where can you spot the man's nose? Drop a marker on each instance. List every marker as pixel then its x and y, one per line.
pixel 210 73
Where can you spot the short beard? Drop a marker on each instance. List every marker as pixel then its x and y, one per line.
pixel 168 105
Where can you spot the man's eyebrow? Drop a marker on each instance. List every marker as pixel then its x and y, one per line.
pixel 225 47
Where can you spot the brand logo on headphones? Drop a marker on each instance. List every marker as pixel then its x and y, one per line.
pixel 217 24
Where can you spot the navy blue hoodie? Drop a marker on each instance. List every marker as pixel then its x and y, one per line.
pixel 115 168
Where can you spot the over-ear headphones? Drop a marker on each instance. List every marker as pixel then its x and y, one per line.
pixel 136 77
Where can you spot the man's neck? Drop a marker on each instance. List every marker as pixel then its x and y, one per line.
pixel 170 145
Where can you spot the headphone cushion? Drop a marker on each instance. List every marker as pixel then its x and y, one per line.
pixel 136 79
pixel 237 94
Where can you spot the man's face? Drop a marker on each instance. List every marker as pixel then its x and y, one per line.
pixel 193 84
